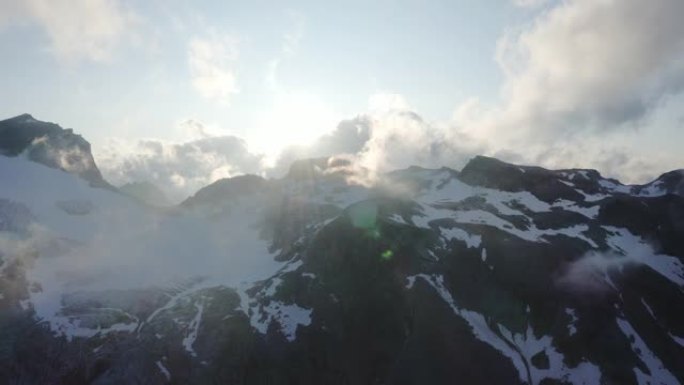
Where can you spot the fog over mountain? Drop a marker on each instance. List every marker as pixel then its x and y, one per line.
pixel 336 273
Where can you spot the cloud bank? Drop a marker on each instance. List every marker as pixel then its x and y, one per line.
pixel 179 169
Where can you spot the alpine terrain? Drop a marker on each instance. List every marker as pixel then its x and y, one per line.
pixel 492 274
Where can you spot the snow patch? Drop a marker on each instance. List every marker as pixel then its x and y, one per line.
pixel 163 370
pixel 289 317
pixel 658 373
pixel 589 212
pixel 636 250
pixel 518 348
pixel 572 328
pixel 193 329
pixel 678 340
pixel 471 241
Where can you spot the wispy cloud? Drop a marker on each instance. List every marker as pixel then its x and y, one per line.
pixel 291 41
pixel 529 3
pixel 212 66
pixel 77 29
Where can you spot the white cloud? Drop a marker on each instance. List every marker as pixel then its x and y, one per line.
pixel 179 169
pixel 78 29
pixel 593 64
pixel 293 37
pixel 388 137
pixel 289 47
pixel 382 102
pixel 589 274
pixel 529 3
pixel 211 61
pixel 582 72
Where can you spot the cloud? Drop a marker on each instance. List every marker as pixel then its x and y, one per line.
pixel 577 78
pixel 389 136
pixel 383 102
pixel 349 137
pixel 581 75
pixel 529 3
pixel 589 275
pixel 290 45
pixel 292 38
pixel 211 60
pixel 179 169
pixel 78 29
pixel 592 65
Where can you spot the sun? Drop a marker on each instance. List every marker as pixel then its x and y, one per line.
pixel 295 119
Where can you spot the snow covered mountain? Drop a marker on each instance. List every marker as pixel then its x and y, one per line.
pixel 495 274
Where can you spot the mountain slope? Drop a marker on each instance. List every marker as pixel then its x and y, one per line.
pixel 496 274
pixel 146 192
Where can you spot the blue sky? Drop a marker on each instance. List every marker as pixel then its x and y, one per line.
pixel 527 80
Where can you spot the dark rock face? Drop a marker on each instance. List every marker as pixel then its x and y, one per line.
pixel 146 192
pixel 672 182
pixel 51 145
pixel 498 274
pixel 493 173
pixel 226 189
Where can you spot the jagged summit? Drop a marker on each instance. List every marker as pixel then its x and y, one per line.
pixel 51 145
pixel 549 185
pixel 23 118
pixel 226 189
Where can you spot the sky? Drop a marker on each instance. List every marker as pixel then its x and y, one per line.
pixel 182 94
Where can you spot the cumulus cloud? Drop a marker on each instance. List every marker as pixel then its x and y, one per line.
pixel 77 29
pixel 349 137
pixel 587 64
pixel 582 71
pixel 387 137
pixel 211 60
pixel 179 169
pixel 401 138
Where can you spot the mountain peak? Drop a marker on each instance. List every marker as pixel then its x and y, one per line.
pixel 51 145
pixel 493 173
pixel 227 188
pixel 23 118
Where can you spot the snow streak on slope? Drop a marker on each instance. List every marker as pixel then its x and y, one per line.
pixel 518 348
pixel 659 375
pixel 193 329
pixel 636 250
pixel 435 201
